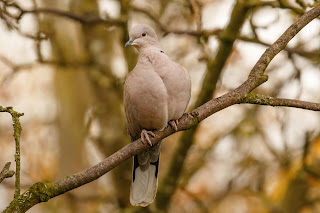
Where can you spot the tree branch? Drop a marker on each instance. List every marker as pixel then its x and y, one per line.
pixel 301 52
pixel 6 173
pixel 271 101
pixel 75 17
pixel 166 30
pixel 79 18
pixel 42 192
pixel 16 133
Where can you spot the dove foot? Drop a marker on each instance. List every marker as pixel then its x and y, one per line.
pixel 174 124
pixel 145 136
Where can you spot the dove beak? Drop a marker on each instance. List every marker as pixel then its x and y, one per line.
pixel 129 42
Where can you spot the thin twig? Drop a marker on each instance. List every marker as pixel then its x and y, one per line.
pixel 16 133
pixel 79 18
pixel 6 173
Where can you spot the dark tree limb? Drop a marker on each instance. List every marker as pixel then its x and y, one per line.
pixel 42 192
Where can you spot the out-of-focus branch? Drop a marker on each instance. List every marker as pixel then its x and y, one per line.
pixel 16 67
pixel 271 101
pixel 29 65
pixel 304 53
pixel 79 18
pixel 97 20
pixel 16 133
pixel 166 30
pixel 6 173
pixel 12 17
pixel 217 32
pixel 20 12
pixel 307 167
pixel 288 4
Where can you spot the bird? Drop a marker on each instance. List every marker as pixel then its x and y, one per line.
pixel 156 93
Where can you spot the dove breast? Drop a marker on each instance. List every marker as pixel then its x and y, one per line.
pixel 176 80
pixel 146 101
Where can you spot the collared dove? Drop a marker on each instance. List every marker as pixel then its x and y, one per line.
pixel 156 92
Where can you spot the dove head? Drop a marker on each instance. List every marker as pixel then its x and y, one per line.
pixel 142 36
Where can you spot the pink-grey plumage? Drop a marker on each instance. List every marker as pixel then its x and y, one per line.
pixel 156 92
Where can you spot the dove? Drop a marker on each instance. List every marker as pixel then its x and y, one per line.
pixel 156 93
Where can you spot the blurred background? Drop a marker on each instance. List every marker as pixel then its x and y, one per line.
pixel 65 71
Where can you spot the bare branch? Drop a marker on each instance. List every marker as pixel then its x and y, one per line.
pixel 217 32
pixel 165 29
pixel 75 17
pixel 6 173
pixel 79 18
pixel 259 68
pixel 271 101
pixel 16 133
pixel 304 53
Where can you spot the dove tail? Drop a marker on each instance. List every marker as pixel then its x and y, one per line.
pixel 144 182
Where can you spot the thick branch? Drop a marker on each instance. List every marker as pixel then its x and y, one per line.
pixel 271 101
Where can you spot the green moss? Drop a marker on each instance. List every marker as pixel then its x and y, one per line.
pixel 42 191
pixel 264 77
pixel 195 118
pixel 37 193
pixel 258 99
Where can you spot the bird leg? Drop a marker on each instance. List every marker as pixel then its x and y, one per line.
pixel 145 136
pixel 174 124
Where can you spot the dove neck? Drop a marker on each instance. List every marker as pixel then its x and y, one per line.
pixel 148 49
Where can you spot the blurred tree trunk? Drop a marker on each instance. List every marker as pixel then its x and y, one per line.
pixel 73 92
pixel 72 87
pixel 102 47
pixel 78 89
pixel 88 82
pixel 296 197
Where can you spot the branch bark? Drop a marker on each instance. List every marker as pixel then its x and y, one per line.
pixel 42 192
pixel 6 173
pixel 16 134
pixel 271 101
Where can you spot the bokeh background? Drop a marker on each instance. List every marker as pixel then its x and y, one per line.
pixel 67 76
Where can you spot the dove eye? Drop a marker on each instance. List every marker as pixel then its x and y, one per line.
pixel 144 34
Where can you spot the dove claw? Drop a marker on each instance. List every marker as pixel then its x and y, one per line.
pixel 145 136
pixel 174 124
